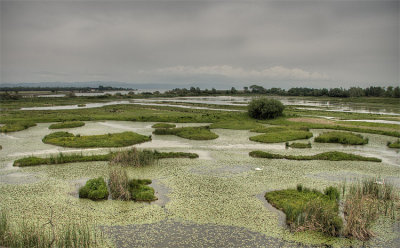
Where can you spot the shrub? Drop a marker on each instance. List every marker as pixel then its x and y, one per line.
pixel 299 187
pixel 95 189
pixel 265 108
pixel 342 138
pixel 140 191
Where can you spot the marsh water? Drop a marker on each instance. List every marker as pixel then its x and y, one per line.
pixel 213 199
pixel 336 106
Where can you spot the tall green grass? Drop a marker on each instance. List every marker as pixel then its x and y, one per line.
pixel 331 156
pixel 66 139
pixel 67 124
pixel 342 138
pixel 23 234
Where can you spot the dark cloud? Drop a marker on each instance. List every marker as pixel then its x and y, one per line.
pixel 287 43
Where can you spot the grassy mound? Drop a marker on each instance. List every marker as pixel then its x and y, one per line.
pixel 298 145
pixel 60 159
pixel 193 133
pixel 342 138
pixel 163 125
pixel 66 139
pixel 307 209
pixel 67 124
pixel 16 126
pixel 394 144
pixel 281 136
pixel 331 156
pixel 236 125
pixel 95 189
pixel 140 191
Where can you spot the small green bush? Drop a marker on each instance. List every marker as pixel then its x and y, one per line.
pixel 140 191
pixel 265 108
pixel 94 189
pixel 333 193
pixel 342 138
pixel 67 124
pixel 163 125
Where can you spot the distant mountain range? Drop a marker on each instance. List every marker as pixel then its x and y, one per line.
pixel 92 84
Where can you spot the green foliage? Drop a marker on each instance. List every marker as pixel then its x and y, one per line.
pixel 342 138
pixel 331 156
pixel 307 210
pixel 140 191
pixel 61 158
pixel 281 136
pixel 67 124
pixel 16 126
pixel 163 125
pixel 193 133
pixel 299 145
pixel 161 155
pixel 394 144
pixel 265 108
pixel 66 139
pixel 95 189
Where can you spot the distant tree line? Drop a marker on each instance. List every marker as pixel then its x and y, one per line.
pixel 373 91
pixel 56 89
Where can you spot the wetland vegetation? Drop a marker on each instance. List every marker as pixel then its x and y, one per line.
pixel 331 156
pixel 298 145
pixel 395 144
pixel 94 189
pixel 282 136
pixel 67 124
pixel 106 140
pixel 342 138
pixel 220 194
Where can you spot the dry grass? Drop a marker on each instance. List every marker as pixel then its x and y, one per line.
pixel 119 183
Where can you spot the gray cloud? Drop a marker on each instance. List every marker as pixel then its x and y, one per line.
pixel 275 43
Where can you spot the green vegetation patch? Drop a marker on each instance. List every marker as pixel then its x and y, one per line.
pixel 66 139
pixel 16 126
pixel 163 125
pixel 61 158
pixel 342 138
pixel 94 189
pixel 193 133
pixel 298 145
pixel 281 136
pixel 307 209
pixel 394 144
pixel 265 108
pixel 140 191
pixel 67 124
pixel 331 156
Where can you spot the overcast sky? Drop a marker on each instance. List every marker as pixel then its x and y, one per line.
pixel 202 43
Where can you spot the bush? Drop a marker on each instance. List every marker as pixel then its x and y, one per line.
pixel 140 191
pixel 265 108
pixel 333 193
pixel 95 189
